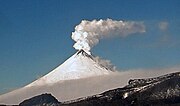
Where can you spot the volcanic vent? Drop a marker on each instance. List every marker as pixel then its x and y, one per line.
pixel 79 65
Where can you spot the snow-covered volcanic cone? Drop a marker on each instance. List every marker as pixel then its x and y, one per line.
pixel 80 65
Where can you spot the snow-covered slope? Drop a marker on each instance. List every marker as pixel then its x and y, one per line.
pixel 80 65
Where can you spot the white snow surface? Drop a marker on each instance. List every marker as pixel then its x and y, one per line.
pixel 80 65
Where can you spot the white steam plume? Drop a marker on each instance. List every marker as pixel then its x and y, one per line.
pixel 105 63
pixel 88 33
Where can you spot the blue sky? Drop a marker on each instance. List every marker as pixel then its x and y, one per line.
pixel 35 35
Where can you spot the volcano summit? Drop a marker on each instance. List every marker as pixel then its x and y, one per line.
pixel 80 65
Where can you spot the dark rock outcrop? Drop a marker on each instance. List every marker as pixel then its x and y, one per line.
pixel 41 100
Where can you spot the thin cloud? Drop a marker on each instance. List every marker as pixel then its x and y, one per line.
pixel 166 38
pixel 163 37
pixel 163 25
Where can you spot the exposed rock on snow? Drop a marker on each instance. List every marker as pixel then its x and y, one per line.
pixel 41 100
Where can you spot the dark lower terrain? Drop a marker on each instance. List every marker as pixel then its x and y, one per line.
pixel 159 91
pixel 41 100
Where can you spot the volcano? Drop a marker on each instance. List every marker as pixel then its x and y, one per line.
pixel 80 65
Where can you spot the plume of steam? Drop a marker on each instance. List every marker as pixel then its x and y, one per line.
pixel 105 63
pixel 88 33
